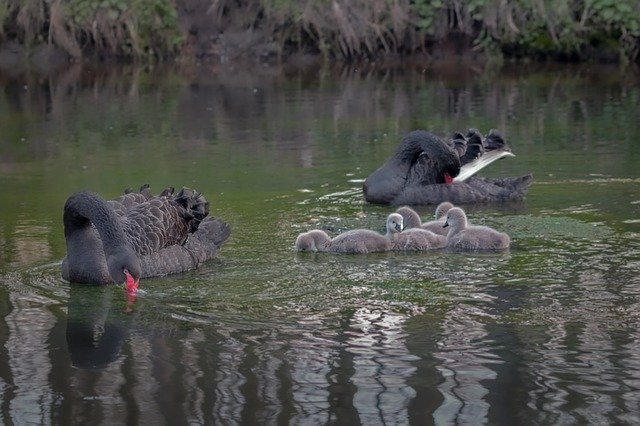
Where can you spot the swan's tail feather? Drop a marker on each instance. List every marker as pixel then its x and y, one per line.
pixel 459 144
pixel 474 136
pixel 145 191
pixel 221 231
pixel 475 149
pixel 207 240
pixel 494 141
pixel 195 205
pixel 168 191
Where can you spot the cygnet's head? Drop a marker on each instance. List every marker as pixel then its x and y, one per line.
pixel 315 240
pixel 442 209
pixel 411 219
pixel 456 218
pixel 394 223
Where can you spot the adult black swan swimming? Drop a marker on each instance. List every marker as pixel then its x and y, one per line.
pixel 425 169
pixel 138 235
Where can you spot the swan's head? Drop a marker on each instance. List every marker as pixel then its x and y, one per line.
pixel 429 158
pixel 394 223
pixel 124 267
pixel 442 209
pixel 456 218
pixel 316 240
pixel 411 219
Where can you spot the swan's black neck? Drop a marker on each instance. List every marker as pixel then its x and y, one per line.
pixel 84 208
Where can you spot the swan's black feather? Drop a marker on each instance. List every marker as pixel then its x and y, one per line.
pixel 168 233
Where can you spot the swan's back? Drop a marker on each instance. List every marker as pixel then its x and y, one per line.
pixel 163 221
pixel 360 241
pixel 418 239
pixel 202 245
pixel 367 241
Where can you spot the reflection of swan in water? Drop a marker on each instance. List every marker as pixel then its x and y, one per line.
pixel 412 218
pixel 354 241
pixel 96 330
pixel 464 237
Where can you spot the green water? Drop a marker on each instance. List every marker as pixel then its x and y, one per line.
pixel 545 333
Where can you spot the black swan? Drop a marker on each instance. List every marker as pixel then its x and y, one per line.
pixel 354 241
pixel 425 169
pixel 138 235
pixel 412 218
pixel 468 237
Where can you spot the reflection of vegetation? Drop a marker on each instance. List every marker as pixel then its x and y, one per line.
pixel 341 28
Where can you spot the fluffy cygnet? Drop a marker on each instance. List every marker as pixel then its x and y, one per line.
pixel 461 236
pixel 314 240
pixel 365 240
pixel 412 218
pixel 354 241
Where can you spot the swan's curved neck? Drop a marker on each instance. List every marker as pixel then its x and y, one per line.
pixel 456 228
pixel 85 208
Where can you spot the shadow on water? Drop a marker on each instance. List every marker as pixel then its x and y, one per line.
pixel 546 332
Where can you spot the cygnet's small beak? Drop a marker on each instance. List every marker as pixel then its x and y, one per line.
pixel 398 227
pixel 446 223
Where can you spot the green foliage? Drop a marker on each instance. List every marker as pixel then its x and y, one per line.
pixel 127 27
pixel 345 29
pixel 133 28
pixel 549 27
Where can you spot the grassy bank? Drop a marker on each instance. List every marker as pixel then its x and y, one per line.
pixel 341 29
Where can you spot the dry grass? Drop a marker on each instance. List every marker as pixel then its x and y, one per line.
pixel 346 29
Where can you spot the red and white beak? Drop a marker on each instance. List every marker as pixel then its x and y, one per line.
pixel 132 283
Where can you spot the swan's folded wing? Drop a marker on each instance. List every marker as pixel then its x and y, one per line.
pixel 154 225
pixel 165 220
pixel 201 246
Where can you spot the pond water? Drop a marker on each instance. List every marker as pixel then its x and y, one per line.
pixel 548 332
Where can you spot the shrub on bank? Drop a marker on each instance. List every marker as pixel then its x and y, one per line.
pixel 344 29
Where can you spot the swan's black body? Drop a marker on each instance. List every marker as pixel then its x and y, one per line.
pixel 146 235
pixel 421 170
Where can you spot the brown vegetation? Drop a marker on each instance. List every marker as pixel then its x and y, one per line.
pixel 347 30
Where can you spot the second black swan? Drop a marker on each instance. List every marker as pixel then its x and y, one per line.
pixel 138 235
pixel 426 169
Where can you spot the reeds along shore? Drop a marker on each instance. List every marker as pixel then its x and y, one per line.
pixel 341 29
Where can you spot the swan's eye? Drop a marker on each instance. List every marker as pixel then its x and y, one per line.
pixel 125 270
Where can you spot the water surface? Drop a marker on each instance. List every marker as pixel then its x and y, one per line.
pixel 547 332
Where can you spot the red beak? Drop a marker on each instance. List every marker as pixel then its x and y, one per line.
pixel 448 178
pixel 132 284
